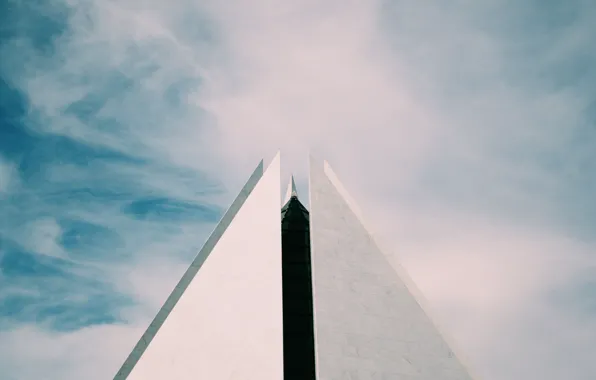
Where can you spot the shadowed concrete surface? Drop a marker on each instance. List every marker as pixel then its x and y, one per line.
pixel 367 323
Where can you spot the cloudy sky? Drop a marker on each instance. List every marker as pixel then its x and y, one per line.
pixel 466 130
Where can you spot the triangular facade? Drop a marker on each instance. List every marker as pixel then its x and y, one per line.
pixel 292 295
pixel 368 325
pixel 224 319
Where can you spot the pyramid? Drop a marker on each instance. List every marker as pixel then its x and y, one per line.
pixel 292 294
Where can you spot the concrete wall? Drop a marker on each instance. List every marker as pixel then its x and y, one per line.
pixel 368 325
pixel 227 324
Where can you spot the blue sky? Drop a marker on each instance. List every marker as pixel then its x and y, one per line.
pixel 466 131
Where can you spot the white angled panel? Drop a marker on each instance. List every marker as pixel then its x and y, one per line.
pixel 291 191
pixel 368 324
pixel 227 324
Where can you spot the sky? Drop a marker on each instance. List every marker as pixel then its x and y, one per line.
pixel 465 130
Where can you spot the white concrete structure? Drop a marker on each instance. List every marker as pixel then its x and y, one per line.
pixel 290 191
pixel 368 323
pixel 224 321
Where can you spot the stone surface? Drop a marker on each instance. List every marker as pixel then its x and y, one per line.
pixel 224 319
pixel 368 325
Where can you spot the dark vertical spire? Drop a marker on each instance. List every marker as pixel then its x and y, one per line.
pixel 299 350
pixel 291 191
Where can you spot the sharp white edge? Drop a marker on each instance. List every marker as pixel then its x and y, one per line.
pixel 291 190
pixel 401 272
pixel 275 163
pixel 342 190
pixel 312 161
pixel 228 324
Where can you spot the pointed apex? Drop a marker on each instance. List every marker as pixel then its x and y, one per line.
pixel 291 192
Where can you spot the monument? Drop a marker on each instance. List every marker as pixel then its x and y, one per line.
pixel 297 294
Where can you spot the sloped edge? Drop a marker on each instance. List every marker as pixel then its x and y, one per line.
pixel 401 272
pixel 190 273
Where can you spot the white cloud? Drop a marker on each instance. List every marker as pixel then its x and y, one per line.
pixel 42 235
pixel 8 176
pixel 88 353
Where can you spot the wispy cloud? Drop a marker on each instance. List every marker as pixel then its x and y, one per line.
pixel 466 132
pixel 8 176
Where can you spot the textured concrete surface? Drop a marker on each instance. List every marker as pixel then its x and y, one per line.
pixel 367 323
pixel 224 321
